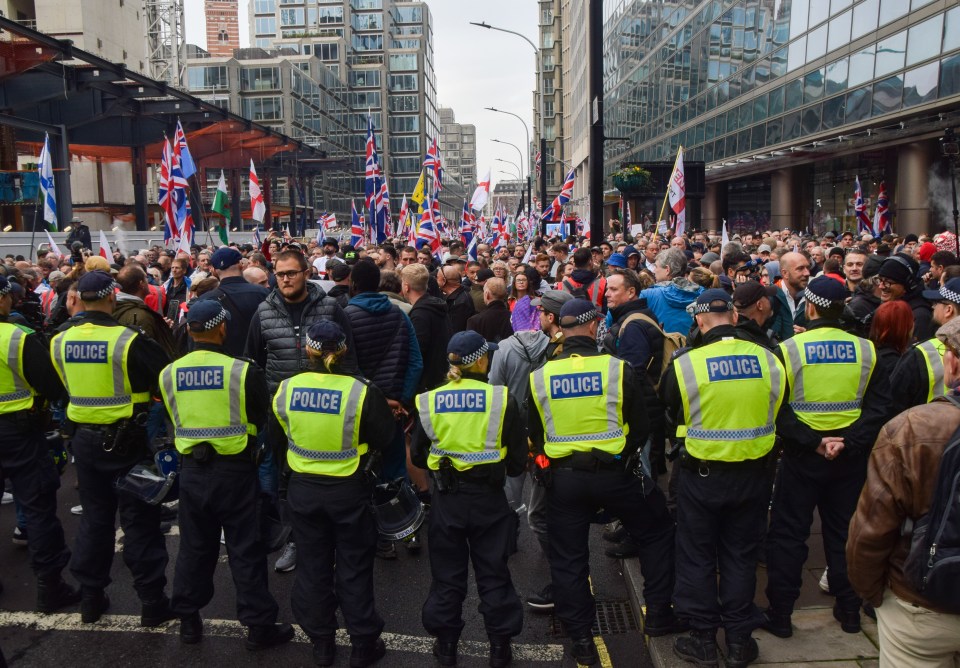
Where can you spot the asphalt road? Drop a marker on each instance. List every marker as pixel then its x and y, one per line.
pixel 31 639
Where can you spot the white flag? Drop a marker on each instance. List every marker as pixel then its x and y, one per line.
pixel 54 248
pixel 678 194
pixel 46 184
pixel 257 206
pixel 724 237
pixel 480 195
pixel 105 251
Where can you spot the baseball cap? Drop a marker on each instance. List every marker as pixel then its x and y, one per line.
pixel 617 260
pixel 552 301
pixel 225 257
pixel 750 292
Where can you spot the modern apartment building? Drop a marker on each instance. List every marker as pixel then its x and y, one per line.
pixel 787 102
pixel 383 51
pixel 458 148
pixel 223 26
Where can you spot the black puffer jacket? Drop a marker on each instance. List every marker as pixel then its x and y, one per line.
pixel 386 345
pixel 430 320
pixel 279 346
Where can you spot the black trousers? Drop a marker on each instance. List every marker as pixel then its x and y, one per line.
pixel 144 546
pixel 572 502
pixel 333 525
pixel 807 482
pixel 27 463
pixel 472 523
pixel 222 493
pixel 718 517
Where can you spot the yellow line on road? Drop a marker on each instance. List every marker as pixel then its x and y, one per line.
pixel 602 650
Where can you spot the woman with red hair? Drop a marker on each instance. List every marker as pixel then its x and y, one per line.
pixel 891 331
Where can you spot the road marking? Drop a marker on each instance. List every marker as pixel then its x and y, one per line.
pixel 602 651
pixel 228 628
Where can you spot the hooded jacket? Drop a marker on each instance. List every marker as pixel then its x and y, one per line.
pixel 517 357
pixel 432 326
pixel 386 345
pixel 461 308
pixel 668 302
pixel 594 286
pixel 132 311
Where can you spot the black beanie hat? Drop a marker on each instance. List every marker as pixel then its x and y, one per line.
pixel 900 268
pixel 365 276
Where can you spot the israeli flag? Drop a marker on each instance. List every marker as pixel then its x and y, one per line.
pixel 46 184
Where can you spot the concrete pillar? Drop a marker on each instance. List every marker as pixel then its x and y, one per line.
pixel 140 204
pixel 909 199
pixel 710 219
pixel 782 200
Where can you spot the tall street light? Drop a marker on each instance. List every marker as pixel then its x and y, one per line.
pixel 520 153
pixel 529 160
pixel 512 164
pixel 540 76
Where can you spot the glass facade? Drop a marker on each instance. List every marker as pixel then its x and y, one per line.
pixel 737 80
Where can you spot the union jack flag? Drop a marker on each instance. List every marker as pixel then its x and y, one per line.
pixel 881 217
pixel 187 166
pixel 372 174
pixel 171 232
pixel 433 163
pixel 860 207
pixel 383 213
pixel 539 167
pixel 180 187
pixel 428 231
pixel 467 224
pixel 356 226
pixel 553 213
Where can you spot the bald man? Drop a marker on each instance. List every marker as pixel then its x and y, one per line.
pixel 257 276
pixel 460 306
pixel 789 318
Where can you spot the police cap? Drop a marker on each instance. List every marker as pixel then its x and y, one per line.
pixel 206 314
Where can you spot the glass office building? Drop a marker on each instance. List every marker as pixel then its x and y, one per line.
pixel 787 101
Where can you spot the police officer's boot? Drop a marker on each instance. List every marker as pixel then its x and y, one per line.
pixel 584 650
pixel 367 653
pixel 700 647
pixel 660 621
pixel 156 611
pixel 324 651
pixel 93 603
pixel 446 652
pixel 53 593
pixel 776 623
pixel 742 650
pixel 501 654
pixel 191 629
pixel 268 635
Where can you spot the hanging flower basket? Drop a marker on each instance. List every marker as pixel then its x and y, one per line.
pixel 631 179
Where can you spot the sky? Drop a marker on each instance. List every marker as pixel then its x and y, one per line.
pixel 475 68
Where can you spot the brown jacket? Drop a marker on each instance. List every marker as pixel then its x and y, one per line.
pixel 133 312
pixel 901 478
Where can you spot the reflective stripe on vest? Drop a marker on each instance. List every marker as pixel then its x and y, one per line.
pixel 320 419
pixel 15 393
pixel 821 389
pixel 751 404
pixel 932 352
pixel 81 377
pixel 464 430
pixel 581 373
pixel 203 402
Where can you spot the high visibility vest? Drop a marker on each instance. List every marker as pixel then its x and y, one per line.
pixel 464 422
pixel 828 370
pixel 205 395
pixel 932 352
pixel 92 363
pixel 15 392
pixel 580 401
pixel 320 414
pixel 723 421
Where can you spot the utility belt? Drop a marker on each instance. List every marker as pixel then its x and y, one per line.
pixel 26 419
pixel 594 461
pixel 449 479
pixel 115 437
pixel 703 467
pixel 205 454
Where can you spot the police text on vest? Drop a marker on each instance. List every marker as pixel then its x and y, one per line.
pixel 573 385
pixel 316 401
pixel 460 401
pixel 199 378
pixel 830 352
pixel 733 367
pixel 86 352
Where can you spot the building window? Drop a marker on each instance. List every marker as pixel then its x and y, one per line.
pixel 201 78
pixel 404 82
pixel 292 17
pixel 265 25
pixel 403 103
pixel 403 62
pixel 364 79
pixel 327 15
pixel 260 78
pixel 367 21
pixel 327 51
pixel 404 124
pixel 264 6
pixel 365 99
pixel 407 15
pixel 262 108
pixel 548 85
pixel 367 42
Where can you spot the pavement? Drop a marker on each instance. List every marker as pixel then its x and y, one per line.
pixel 817 638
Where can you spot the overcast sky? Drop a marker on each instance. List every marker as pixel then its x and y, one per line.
pixel 475 68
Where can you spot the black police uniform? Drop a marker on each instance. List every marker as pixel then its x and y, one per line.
pixel 573 500
pixel 241 299
pixel 221 491
pixel 144 546
pixel 912 380
pixel 26 461
pixel 470 520
pixel 807 481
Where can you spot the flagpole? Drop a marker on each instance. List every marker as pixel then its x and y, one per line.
pixel 666 195
pixel 36 210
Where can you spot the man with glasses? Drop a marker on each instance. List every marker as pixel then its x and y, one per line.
pixel 277 343
pixel 899 279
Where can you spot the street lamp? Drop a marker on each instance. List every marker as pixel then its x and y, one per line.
pixel 540 76
pixel 512 164
pixel 529 160
pixel 950 149
pixel 520 153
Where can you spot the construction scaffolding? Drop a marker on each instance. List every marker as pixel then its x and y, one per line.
pixel 166 40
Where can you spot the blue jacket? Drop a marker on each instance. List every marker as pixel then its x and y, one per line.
pixel 669 303
pixel 386 345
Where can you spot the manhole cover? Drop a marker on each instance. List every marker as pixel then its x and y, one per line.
pixel 613 617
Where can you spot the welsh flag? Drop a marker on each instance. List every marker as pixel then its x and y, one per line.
pixel 221 205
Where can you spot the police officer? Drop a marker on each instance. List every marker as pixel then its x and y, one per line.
pixel 109 371
pixel 725 396
pixel 589 420
pixel 217 405
pixel 333 423
pixel 469 436
pixel 839 403
pixel 918 376
pixel 27 379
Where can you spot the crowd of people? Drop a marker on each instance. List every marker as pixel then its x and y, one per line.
pixel 702 398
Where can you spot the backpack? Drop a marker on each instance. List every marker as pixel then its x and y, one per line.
pixel 932 566
pixel 672 342
pixel 581 292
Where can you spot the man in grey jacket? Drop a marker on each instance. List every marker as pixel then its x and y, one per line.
pixel 516 358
